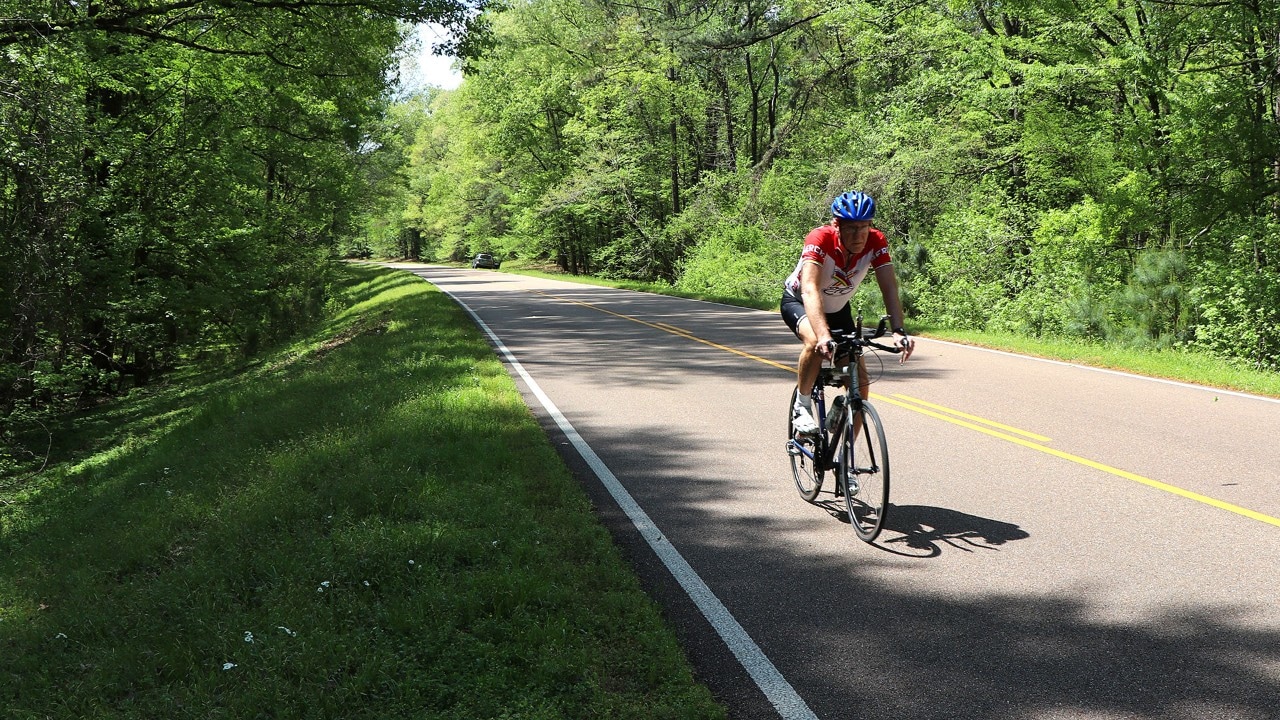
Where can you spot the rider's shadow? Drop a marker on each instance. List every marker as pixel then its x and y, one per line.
pixel 923 530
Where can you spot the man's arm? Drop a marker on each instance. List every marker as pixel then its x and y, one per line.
pixel 887 279
pixel 811 294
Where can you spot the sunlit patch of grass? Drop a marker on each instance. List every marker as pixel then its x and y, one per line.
pixel 1179 365
pixel 659 288
pixel 368 524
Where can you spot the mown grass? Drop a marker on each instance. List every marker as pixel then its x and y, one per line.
pixel 1180 365
pixel 369 524
pixel 523 268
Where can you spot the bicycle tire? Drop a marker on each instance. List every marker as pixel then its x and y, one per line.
pixel 863 474
pixel 808 481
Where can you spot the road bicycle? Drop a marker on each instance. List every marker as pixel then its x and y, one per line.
pixel 850 441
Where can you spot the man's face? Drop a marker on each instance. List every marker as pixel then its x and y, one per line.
pixel 853 233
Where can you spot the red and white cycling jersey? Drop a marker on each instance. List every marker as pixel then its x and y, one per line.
pixel 841 274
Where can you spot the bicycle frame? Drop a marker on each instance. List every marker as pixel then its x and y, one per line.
pixel 823 455
pixel 833 448
pixel 850 350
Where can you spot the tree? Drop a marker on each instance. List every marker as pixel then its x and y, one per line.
pixel 175 176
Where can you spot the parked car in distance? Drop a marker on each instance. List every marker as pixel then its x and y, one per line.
pixel 485 260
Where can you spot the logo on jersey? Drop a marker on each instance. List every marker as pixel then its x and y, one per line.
pixel 839 284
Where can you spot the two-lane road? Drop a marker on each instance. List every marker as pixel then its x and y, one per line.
pixel 1063 542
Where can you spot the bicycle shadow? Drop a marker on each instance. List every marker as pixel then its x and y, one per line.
pixel 923 530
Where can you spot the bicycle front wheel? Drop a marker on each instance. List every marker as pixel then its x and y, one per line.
pixel 803 452
pixel 863 474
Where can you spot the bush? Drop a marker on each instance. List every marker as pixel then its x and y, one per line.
pixel 738 261
pixel 1240 317
pixel 1156 305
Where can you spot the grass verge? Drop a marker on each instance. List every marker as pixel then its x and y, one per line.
pixel 369 524
pixel 1179 365
pixel 652 287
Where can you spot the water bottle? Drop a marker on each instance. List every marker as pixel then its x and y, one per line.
pixel 837 410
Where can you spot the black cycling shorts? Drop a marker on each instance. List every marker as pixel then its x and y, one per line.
pixel 792 308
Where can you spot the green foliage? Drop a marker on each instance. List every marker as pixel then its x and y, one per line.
pixel 1240 306
pixel 174 178
pixel 735 261
pixel 1033 161
pixel 1155 303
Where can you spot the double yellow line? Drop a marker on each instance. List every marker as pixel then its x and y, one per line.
pixel 955 417
pixel 1029 440
pixel 669 329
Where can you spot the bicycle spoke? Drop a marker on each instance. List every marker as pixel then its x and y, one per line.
pixel 865 474
pixel 803 451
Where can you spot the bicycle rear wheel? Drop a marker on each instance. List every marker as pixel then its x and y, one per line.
pixel 802 450
pixel 863 474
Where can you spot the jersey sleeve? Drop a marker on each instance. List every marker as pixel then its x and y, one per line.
pixel 879 249
pixel 817 247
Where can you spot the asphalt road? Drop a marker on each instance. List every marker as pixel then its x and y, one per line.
pixel 1063 542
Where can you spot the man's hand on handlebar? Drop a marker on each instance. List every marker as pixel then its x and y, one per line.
pixel 900 339
pixel 827 348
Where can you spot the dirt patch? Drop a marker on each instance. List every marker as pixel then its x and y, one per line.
pixel 362 325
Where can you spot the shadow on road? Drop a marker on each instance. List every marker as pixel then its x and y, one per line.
pixel 861 633
pixel 852 640
pixel 921 531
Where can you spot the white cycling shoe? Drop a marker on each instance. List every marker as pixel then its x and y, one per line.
pixel 802 422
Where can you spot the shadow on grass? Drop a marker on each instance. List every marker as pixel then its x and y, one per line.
pixel 157 409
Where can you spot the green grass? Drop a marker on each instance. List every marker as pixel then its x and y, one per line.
pixel 1180 365
pixel 525 268
pixel 369 524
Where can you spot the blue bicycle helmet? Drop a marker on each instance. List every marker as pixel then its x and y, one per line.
pixel 854 206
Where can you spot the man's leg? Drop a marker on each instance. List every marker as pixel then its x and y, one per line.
pixel 807 369
pixel 810 362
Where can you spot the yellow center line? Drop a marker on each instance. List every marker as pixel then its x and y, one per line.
pixel 1096 465
pixel 923 409
pixel 974 418
pixel 669 329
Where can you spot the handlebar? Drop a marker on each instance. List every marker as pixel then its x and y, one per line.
pixel 860 339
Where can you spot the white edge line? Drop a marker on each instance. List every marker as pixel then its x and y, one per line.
pixel 1193 386
pixel 779 692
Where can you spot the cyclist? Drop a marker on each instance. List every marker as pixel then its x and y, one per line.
pixel 815 301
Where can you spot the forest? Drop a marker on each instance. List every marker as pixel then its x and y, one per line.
pixel 178 176
pixel 175 176
pixel 1100 169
